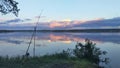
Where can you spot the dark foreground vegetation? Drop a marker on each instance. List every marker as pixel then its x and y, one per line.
pixel 51 61
pixel 69 30
pixel 83 56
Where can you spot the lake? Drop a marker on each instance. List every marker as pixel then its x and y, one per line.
pixel 16 43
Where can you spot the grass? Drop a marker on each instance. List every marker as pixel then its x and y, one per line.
pixel 47 61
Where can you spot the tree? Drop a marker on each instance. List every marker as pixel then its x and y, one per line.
pixel 9 6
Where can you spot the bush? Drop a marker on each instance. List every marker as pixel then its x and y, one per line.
pixel 90 52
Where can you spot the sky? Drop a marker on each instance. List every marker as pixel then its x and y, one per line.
pixel 65 10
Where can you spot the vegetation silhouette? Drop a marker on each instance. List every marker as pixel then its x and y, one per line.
pixel 7 6
pixel 90 52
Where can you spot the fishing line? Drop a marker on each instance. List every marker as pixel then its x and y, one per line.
pixel 34 34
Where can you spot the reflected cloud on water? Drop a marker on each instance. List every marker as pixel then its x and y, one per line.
pixel 13 41
pixel 65 37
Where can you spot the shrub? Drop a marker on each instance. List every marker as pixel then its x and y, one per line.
pixel 89 51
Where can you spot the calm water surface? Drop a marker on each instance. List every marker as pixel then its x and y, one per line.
pixel 16 43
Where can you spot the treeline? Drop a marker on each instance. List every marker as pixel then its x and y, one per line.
pixel 68 30
pixel 5 31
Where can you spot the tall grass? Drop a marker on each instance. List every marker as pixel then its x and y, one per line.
pixel 47 61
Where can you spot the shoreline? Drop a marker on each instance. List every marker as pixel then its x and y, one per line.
pixel 71 31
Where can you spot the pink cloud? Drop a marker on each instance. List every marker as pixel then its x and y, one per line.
pixel 55 24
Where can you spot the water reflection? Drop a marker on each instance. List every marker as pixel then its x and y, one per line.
pixel 15 43
pixel 65 37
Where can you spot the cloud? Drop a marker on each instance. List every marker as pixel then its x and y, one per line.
pixel 76 24
pixel 114 22
pixel 17 20
pixel 96 23
pixel 55 24
pixel 67 20
pixel 27 19
pixel 14 20
pixel 40 16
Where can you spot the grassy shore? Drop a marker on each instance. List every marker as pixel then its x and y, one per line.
pixel 47 61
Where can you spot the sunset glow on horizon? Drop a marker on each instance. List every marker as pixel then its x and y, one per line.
pixel 64 14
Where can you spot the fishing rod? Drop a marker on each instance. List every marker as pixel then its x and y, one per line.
pixel 33 35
